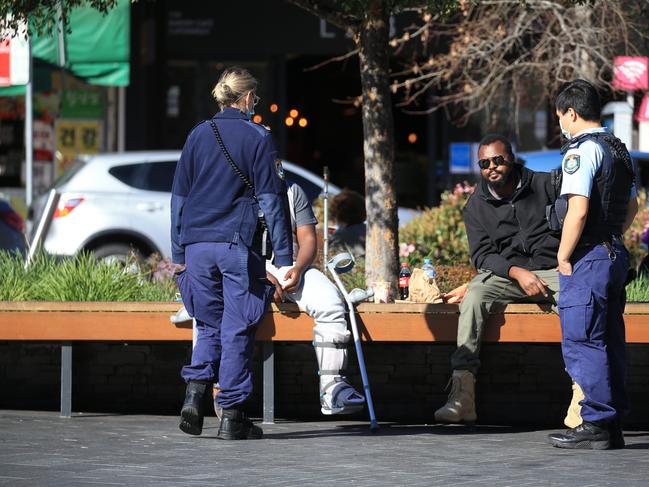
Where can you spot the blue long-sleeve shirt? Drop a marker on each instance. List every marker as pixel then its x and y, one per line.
pixel 210 203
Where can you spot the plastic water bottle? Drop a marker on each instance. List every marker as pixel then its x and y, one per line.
pixel 404 281
pixel 429 269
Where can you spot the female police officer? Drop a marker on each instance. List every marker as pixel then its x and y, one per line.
pixel 229 175
pixel 598 184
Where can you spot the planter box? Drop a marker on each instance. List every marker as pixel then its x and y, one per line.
pixel 149 321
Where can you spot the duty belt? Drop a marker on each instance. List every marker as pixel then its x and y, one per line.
pixel 606 241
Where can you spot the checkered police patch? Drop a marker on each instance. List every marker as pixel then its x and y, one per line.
pixel 571 163
pixel 279 168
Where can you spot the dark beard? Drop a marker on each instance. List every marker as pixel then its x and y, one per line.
pixel 500 184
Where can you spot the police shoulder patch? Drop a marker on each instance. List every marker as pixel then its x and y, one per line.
pixel 571 163
pixel 279 168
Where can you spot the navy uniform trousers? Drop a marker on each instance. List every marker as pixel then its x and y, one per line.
pixel 224 288
pixel 591 307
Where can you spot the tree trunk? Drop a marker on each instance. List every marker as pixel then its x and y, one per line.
pixel 585 65
pixel 378 126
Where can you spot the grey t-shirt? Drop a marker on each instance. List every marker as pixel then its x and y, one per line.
pixel 301 212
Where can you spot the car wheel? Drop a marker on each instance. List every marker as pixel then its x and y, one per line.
pixel 116 252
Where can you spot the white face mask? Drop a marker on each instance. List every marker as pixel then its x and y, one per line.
pixel 564 132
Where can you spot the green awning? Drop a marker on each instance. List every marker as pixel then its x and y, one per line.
pixel 97 49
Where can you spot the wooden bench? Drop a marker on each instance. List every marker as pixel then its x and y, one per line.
pixel 67 323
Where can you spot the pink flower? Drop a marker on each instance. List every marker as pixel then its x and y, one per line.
pixel 165 270
pixel 406 249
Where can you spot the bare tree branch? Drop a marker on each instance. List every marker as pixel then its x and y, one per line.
pixel 329 11
pixel 519 50
pixel 332 60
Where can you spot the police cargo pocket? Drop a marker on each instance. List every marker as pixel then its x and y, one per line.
pixel 576 313
pixel 255 304
pixel 182 280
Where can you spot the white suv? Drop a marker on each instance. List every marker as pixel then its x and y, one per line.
pixel 114 204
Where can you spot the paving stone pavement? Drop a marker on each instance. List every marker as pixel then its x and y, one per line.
pixel 41 449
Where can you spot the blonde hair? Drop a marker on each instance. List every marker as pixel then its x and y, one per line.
pixel 232 85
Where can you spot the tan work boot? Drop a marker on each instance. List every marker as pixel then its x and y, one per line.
pixel 460 407
pixel 573 415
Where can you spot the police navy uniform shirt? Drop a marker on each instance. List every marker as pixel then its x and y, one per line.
pixel 210 203
pixel 580 164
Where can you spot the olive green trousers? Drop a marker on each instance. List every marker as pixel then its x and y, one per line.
pixel 487 292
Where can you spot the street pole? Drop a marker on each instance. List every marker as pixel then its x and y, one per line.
pixel 62 62
pixel 29 134
pixel 631 101
pixel 121 119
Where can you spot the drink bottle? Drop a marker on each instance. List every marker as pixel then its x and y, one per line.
pixel 404 281
pixel 429 269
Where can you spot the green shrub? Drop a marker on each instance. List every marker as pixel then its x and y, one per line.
pixel 15 284
pixel 438 233
pixel 640 223
pixel 638 290
pixel 355 277
pixel 451 276
pixel 80 278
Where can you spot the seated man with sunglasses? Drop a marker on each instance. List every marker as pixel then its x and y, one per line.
pixel 515 253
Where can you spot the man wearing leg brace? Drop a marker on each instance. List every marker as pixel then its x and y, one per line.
pixel 318 297
pixel 314 293
pixel 514 251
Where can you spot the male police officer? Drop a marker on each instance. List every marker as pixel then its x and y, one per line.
pixel 593 263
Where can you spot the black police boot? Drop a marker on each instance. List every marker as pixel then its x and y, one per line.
pixel 588 436
pixel 616 434
pixel 191 415
pixel 235 425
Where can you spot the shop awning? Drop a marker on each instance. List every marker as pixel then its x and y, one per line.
pixel 97 48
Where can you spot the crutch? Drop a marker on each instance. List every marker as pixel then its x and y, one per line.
pixel 340 264
pixel 325 237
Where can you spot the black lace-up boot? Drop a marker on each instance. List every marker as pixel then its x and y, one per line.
pixel 191 415
pixel 235 425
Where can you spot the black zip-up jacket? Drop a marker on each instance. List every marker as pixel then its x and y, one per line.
pixel 506 233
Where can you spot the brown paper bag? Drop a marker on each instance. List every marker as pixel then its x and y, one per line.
pixel 422 289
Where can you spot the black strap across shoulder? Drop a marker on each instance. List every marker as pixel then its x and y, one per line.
pixel 266 244
pixel 233 164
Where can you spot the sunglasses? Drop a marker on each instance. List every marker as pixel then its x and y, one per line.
pixel 255 99
pixel 498 161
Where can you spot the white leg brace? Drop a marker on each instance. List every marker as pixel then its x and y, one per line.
pixel 318 296
pixel 336 395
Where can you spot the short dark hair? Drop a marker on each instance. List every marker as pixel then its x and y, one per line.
pixel 582 97
pixel 348 208
pixel 493 138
